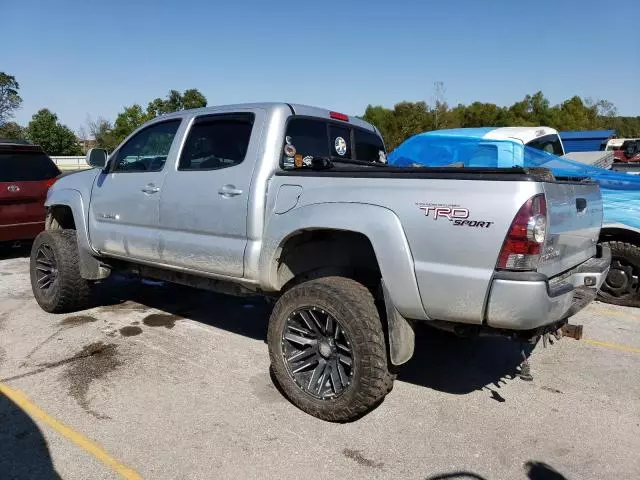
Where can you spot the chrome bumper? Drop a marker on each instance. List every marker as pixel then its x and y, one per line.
pixel 528 300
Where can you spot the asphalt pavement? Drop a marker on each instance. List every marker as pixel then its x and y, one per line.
pixel 165 382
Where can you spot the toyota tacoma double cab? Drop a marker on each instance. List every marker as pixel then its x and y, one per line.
pixel 299 204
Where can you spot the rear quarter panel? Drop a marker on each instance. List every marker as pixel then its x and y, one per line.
pixel 453 264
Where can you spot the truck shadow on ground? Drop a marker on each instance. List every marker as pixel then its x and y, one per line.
pixel 246 316
pixel 533 471
pixel 450 364
pixel 24 453
pixel 441 361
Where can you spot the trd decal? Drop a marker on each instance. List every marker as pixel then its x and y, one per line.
pixel 449 213
pixel 456 214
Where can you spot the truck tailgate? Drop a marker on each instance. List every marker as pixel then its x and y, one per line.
pixel 575 218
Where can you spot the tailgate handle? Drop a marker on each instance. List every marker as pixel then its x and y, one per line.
pixel 581 204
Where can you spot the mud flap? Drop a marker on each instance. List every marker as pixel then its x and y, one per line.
pixel 401 334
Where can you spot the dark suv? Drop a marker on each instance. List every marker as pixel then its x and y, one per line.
pixel 26 173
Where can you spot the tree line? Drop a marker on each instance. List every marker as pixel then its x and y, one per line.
pixel 396 124
pixel 409 118
pixel 45 130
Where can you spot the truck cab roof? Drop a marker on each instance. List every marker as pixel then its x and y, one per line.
pixel 289 108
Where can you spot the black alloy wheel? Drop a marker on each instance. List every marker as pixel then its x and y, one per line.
pixel 317 353
pixel 54 271
pixel 328 349
pixel 46 268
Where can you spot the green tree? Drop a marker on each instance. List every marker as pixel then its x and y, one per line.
pixel 128 120
pixel 54 138
pixel 409 118
pixel 12 131
pixel 102 132
pixel 192 98
pixel 175 101
pixel 134 116
pixel 9 98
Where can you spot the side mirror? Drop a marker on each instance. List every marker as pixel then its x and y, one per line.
pixel 97 157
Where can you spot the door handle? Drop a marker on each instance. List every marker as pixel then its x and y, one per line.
pixel 151 188
pixel 229 191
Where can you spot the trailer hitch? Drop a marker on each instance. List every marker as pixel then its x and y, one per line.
pixel 573 331
pixel 566 330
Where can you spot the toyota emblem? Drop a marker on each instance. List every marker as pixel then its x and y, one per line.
pixel 13 188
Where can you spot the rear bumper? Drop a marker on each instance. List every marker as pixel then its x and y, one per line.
pixel 20 231
pixel 525 301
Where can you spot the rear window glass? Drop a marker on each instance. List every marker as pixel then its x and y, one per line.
pixel 312 137
pixel 340 141
pixel 307 137
pixel 548 143
pixel 369 146
pixel 26 167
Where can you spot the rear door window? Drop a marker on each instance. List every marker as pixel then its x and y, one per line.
pixel 217 141
pixel 26 166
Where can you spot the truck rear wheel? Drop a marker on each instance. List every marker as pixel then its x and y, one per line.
pixel 328 349
pixel 622 285
pixel 55 274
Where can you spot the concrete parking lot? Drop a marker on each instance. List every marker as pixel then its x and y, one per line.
pixel 164 382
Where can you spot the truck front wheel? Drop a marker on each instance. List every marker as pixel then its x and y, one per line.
pixel 328 349
pixel 622 285
pixel 55 274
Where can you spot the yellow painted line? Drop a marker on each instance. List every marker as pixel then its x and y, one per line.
pixel 80 440
pixel 613 346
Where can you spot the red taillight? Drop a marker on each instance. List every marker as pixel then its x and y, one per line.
pixel 50 182
pixel 523 245
pixel 339 116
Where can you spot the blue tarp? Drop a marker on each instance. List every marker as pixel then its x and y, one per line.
pixel 620 191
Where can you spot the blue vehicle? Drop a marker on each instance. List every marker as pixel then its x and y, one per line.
pixel 541 147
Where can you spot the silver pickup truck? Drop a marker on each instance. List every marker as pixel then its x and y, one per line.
pixel 298 204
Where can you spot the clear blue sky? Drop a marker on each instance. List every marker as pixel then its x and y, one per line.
pixel 86 57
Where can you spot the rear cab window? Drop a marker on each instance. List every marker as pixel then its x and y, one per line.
pixel 548 143
pixel 25 164
pixel 307 137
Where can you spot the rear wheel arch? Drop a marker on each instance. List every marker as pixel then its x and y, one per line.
pixel 379 225
pixel 306 254
pixel 322 253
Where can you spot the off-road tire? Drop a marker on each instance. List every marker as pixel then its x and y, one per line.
pixel 628 254
pixel 353 306
pixel 69 291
